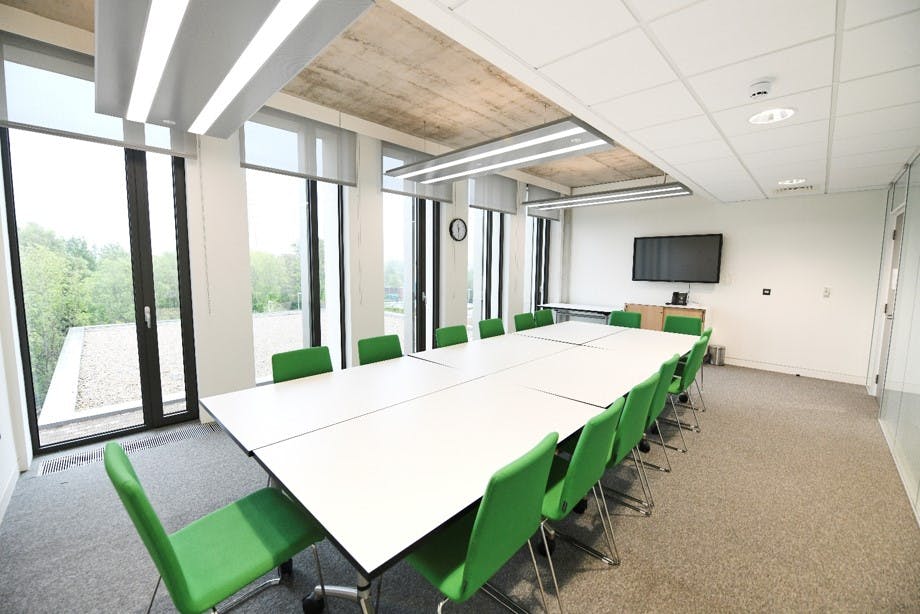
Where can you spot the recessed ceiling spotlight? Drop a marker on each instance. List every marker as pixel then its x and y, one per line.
pixel 795 181
pixel 168 122
pixel 771 116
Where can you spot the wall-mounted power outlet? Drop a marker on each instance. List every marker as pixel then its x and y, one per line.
pixel 766 291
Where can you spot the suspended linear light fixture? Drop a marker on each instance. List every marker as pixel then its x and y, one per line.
pixel 650 192
pixel 544 143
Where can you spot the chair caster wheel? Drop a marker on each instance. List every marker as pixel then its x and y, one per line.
pixel 644 446
pixel 286 569
pixel 312 604
pixel 541 549
pixel 581 507
pixel 683 397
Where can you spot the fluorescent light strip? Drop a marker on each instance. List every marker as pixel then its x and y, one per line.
pixel 492 167
pixel 593 197
pixel 286 16
pixel 495 152
pixel 613 201
pixel 163 22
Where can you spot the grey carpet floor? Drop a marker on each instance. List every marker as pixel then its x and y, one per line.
pixel 788 500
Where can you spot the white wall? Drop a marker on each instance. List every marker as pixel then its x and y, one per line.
pixel 794 246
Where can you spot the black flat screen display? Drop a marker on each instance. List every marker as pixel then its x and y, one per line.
pixel 689 258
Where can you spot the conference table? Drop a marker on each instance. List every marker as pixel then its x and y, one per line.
pixel 384 454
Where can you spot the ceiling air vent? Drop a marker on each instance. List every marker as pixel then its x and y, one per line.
pixel 760 89
pixel 795 189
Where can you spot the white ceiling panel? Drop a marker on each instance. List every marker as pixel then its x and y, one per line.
pixel 709 170
pixel 695 152
pixel 683 132
pixel 733 189
pixel 886 45
pixel 800 68
pixel 862 178
pixel 860 12
pixel 900 156
pixel 769 177
pixel 801 153
pixel 781 137
pixel 809 106
pixel 885 90
pixel 623 65
pixel 720 32
pixel 878 141
pixel 542 32
pixel 882 120
pixel 452 4
pixel 648 10
pixel 657 105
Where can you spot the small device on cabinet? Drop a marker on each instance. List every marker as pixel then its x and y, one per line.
pixel 678 298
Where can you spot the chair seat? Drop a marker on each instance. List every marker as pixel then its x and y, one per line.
pixel 552 500
pixel 442 557
pixel 229 548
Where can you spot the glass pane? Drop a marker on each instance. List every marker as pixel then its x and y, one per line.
pixel 430 289
pixel 474 274
pixel 166 281
pixel 77 283
pixel 329 266
pixel 277 207
pixel 495 278
pixel 397 268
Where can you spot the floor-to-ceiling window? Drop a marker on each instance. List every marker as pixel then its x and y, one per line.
pixel 486 266
pixel 539 260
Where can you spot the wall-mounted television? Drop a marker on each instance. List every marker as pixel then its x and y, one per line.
pixel 688 258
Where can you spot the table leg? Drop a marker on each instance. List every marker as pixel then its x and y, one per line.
pixel 360 594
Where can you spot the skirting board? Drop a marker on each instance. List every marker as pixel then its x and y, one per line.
pixel 6 493
pixel 845 378
pixel 914 505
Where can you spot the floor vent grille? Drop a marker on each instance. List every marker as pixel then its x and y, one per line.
pixel 85 457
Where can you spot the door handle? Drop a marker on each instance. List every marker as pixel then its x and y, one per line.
pixel 147 316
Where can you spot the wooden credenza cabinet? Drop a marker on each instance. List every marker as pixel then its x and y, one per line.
pixel 653 315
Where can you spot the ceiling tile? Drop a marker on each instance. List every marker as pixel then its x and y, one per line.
pixel 657 105
pixel 683 132
pixel 781 137
pixel 885 90
pixel 881 120
pixel 770 176
pixel 800 68
pixel 862 178
pixel 878 141
pixel 700 38
pixel 695 152
pixel 712 170
pixel 886 45
pixel 733 188
pixel 809 106
pixel 861 12
pixel 545 30
pixel 620 66
pixel 800 153
pixel 900 156
pixel 648 10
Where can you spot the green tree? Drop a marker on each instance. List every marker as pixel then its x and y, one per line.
pixel 110 287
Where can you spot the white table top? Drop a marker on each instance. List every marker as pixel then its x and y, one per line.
pixel 381 483
pixel 572 332
pixel 656 343
pixel 577 307
pixel 263 415
pixel 486 356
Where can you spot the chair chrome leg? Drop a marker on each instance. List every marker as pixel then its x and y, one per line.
pixel 643 479
pixel 502 599
pixel 577 543
pixel 441 605
pixel 360 594
pixel 237 600
pixel 680 428
pixel 699 392
pixel 613 544
pixel 664 449
pixel 549 557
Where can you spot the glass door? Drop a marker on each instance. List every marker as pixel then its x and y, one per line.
pixel 93 265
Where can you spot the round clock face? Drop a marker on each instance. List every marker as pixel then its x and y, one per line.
pixel 457 229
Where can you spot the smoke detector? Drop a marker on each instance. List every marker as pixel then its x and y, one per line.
pixel 760 89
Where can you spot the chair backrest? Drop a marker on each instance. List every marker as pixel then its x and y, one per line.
pixel 524 321
pixel 665 375
pixel 632 420
pixel 686 325
pixel 300 363
pixel 145 520
pixel 544 317
pixel 707 333
pixel 509 513
pixel 491 328
pixel 375 349
pixel 450 335
pixel 694 362
pixel 629 319
pixel 592 452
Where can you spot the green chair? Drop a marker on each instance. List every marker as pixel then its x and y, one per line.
pixel 375 349
pixel 450 335
pixel 460 559
pixel 571 480
pixel 543 317
pixel 685 325
pixel 300 363
pixel 659 402
pixel 629 434
pixel 524 321
pixel 680 385
pixel 212 558
pixel 491 328
pixel 629 319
